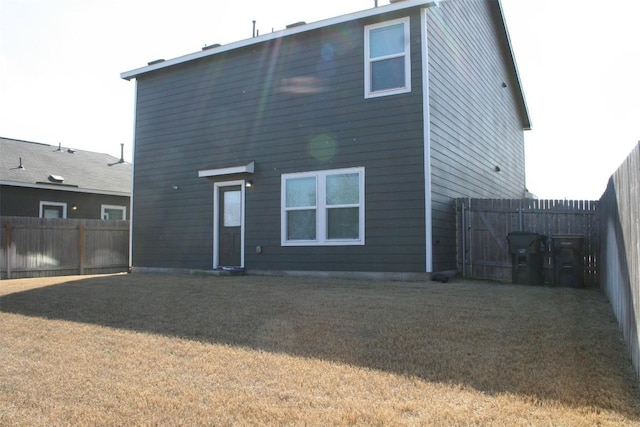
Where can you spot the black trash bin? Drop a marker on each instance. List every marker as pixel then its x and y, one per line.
pixel 568 260
pixel 527 257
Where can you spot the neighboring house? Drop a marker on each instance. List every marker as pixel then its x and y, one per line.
pixel 40 180
pixel 335 146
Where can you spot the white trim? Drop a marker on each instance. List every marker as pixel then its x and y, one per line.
pixel 133 170
pixel 216 219
pixel 406 54
pixel 321 208
pixel 113 207
pixel 248 168
pixel 45 203
pixel 63 188
pixel 127 75
pixel 428 221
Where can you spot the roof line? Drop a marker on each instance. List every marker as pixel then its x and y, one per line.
pixel 392 7
pixel 515 68
pixel 25 141
pixel 63 188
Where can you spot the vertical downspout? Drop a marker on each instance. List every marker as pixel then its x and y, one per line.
pixel 427 145
pixel 133 173
pixel 463 233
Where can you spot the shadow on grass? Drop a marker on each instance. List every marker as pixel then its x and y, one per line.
pixel 546 344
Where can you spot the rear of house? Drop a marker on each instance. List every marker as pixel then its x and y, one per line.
pixel 334 146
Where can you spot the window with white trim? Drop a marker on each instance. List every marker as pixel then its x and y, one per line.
pixel 113 212
pixel 53 210
pixel 324 208
pixel 387 58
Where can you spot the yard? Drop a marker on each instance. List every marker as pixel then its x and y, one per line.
pixel 147 349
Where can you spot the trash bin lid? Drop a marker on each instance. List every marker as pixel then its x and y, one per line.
pixel 525 240
pixel 567 240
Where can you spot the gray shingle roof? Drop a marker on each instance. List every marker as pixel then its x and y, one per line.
pixel 44 164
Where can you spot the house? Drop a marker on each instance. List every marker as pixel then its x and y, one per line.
pixel 331 147
pixel 41 180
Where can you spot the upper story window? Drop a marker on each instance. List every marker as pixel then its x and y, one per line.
pixel 387 58
pixel 323 208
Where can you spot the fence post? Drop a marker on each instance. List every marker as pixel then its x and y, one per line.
pixel 81 233
pixel 8 244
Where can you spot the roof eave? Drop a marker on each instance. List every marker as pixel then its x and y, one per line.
pixel 65 188
pixel 392 7
pixel 526 120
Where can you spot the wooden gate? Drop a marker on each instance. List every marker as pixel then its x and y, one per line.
pixel 484 224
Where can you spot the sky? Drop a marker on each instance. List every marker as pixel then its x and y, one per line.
pixel 578 61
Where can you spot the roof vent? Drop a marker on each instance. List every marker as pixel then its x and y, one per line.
pixel 71 151
pixel 21 166
pixel 59 146
pixel 155 61
pixel 211 46
pixel 56 178
pixel 296 24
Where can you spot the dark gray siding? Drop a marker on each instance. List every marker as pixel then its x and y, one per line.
pixel 25 201
pixel 475 122
pixel 268 103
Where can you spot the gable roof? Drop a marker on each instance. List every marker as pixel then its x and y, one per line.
pixel 59 168
pixel 296 29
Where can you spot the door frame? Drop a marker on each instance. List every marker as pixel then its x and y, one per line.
pixel 216 219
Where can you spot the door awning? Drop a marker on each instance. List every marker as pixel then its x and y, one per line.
pixel 248 168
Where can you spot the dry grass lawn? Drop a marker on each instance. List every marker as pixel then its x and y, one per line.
pixel 183 350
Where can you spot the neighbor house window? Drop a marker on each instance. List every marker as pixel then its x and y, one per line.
pixel 53 210
pixel 323 208
pixel 113 212
pixel 386 59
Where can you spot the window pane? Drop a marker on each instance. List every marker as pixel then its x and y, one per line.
pixel 343 223
pixel 232 209
pixel 301 192
pixel 387 74
pixel 301 225
pixel 386 40
pixel 113 213
pixel 52 212
pixel 343 189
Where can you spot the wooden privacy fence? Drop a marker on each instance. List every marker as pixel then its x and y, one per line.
pixel 620 272
pixel 484 224
pixel 40 247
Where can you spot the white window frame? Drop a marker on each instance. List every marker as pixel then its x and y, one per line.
pixel 114 207
pixel 45 203
pixel 321 208
pixel 368 92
